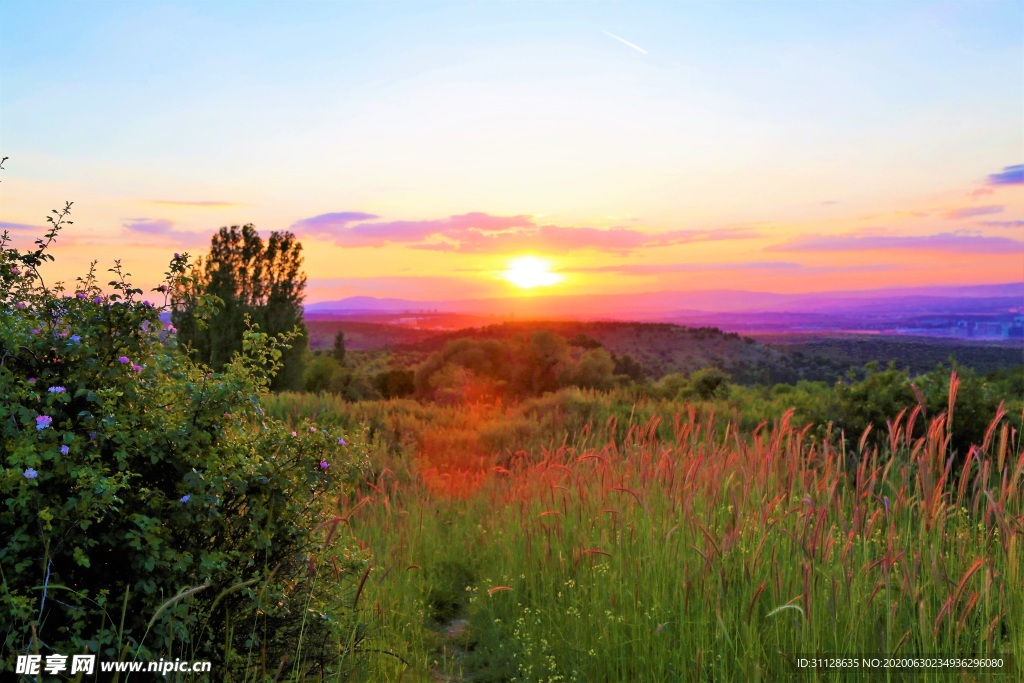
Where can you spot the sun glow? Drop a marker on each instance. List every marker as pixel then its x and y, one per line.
pixel 528 272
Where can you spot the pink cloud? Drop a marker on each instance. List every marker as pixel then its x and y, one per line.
pixel 483 233
pixel 762 266
pixel 971 211
pixel 954 242
pixel 660 269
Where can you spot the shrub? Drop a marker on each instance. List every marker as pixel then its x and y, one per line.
pixel 707 383
pixel 150 507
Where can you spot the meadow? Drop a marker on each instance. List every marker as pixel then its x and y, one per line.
pixel 589 536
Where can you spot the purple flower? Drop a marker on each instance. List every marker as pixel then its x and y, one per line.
pixel 342 442
pixel 20 305
pixel 312 429
pixel 123 360
pixel 324 465
pixel 30 473
pixel 35 331
pixel 137 368
pixel 31 380
pixel 97 299
pixel 15 270
pixel 43 421
pixel 184 499
pixel 80 295
pixel 294 434
pixel 77 338
pixel 56 390
pixel 64 450
pixel 177 255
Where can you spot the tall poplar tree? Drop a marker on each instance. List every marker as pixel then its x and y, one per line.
pixel 263 280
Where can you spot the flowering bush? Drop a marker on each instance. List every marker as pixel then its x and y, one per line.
pixel 150 508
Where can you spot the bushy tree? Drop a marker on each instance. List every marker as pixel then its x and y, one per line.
pixel 319 373
pixel 708 382
pixel 338 350
pixel 630 367
pixel 253 280
pixel 150 508
pixel 594 370
pixel 585 341
pixel 541 364
pixel 395 383
pixel 482 365
pixel 882 394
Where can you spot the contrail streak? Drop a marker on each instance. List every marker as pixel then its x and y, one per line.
pixel 625 42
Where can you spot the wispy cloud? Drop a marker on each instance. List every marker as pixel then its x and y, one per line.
pixel 971 211
pixel 207 204
pixel 757 266
pixel 662 268
pixel 158 226
pixel 1011 175
pixel 479 232
pixel 164 228
pixel 330 223
pixel 557 239
pixel 625 42
pixel 1002 224
pixel 954 242
pixel 21 227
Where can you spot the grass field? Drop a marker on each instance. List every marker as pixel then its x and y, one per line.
pixel 678 546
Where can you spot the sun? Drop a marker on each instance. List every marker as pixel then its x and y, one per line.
pixel 529 272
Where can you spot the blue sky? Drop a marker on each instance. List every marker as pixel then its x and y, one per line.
pixel 777 121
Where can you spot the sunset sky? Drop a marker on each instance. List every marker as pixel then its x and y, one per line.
pixel 417 148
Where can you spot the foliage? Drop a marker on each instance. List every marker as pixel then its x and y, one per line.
pixel 320 373
pixel 658 349
pixel 584 341
pixel 630 367
pixel 338 350
pixel 872 402
pixel 707 383
pixel 594 370
pixel 917 355
pixel 252 280
pixel 395 383
pixel 150 506
pixel 485 369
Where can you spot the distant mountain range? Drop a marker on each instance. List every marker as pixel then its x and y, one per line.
pixel 660 304
pixel 981 311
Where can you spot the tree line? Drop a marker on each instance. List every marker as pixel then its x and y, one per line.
pixel 255 282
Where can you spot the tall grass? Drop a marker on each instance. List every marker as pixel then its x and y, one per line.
pixel 686 548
